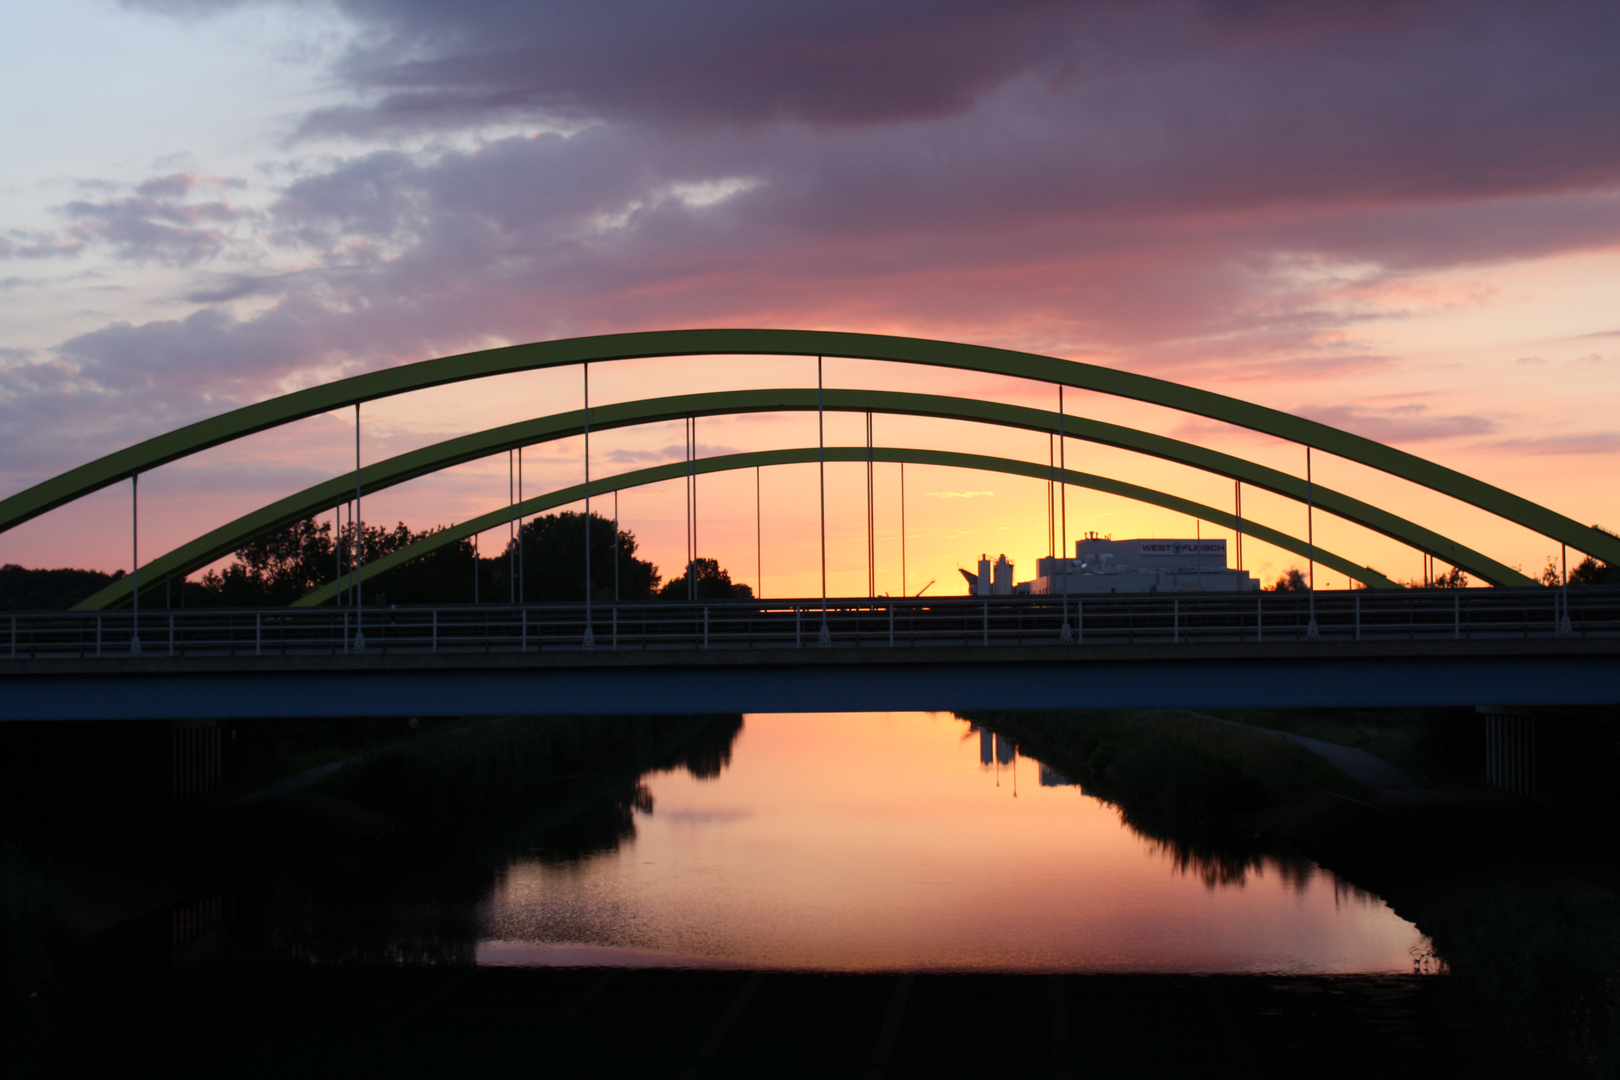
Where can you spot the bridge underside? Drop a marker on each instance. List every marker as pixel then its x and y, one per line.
pixel 1285 675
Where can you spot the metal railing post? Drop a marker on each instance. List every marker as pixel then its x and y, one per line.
pixel 1175 620
pixel 705 627
pixel 1456 616
pixel 258 633
pixel 987 622
pixel 434 648
pixel 891 624
pixel 798 637
pixel 1079 621
pixel 615 624
pixel 1357 600
pixel 523 629
pixel 1259 621
pixel 98 634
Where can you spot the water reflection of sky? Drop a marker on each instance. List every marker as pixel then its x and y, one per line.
pixel 897 840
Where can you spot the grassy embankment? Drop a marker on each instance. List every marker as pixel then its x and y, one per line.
pixel 1440 749
pixel 261 752
pixel 1540 956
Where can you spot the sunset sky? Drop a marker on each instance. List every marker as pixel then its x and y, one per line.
pixel 1398 218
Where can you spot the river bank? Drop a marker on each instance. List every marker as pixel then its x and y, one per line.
pixel 1519 898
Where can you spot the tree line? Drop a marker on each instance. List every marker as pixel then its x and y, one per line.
pixel 1588 571
pixel 544 563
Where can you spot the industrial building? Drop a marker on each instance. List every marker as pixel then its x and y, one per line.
pixel 992 580
pixel 1103 565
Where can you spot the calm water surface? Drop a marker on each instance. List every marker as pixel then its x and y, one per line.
pixel 886 841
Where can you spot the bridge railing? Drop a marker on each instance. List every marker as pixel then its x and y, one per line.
pixel 883 622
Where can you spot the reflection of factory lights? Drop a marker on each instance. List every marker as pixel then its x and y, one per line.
pixel 995 751
pixel 1006 754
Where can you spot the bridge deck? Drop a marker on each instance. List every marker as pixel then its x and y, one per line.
pixel 1466 647
pixel 1256 618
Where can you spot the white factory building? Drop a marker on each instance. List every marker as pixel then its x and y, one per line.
pixel 1104 565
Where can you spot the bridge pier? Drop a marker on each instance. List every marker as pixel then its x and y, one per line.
pixel 1563 754
pixel 196 753
pixel 1511 760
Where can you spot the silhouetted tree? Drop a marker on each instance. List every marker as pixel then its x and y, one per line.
pixel 553 567
pixel 276 568
pixel 442 576
pixel 1293 581
pixel 281 566
pixel 22 589
pixel 1451 579
pixel 712 583
pixel 1592 572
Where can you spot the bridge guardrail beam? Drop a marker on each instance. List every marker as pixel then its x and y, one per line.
pixel 891 622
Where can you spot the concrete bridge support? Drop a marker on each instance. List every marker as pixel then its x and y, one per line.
pixel 1512 762
pixel 195 750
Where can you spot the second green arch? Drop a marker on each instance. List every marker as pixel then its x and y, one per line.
pixel 808 455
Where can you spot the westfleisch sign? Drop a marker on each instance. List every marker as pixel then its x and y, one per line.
pixel 1182 547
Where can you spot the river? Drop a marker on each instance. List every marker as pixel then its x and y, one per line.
pixel 846 842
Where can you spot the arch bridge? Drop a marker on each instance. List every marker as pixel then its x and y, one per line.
pixel 120 628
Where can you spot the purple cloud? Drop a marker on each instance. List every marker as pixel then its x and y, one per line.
pixel 668 453
pixel 705 62
pixel 1602 442
pixel 1398 424
pixel 34 244
pixel 157 223
pixel 1204 190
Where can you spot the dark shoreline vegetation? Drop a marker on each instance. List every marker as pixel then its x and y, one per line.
pixel 466 796
pixel 1186 782
pixel 483 774
pixel 467 802
pixel 1536 950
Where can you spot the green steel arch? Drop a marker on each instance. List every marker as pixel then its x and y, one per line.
pixel 383 474
pixel 809 455
pixel 444 370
